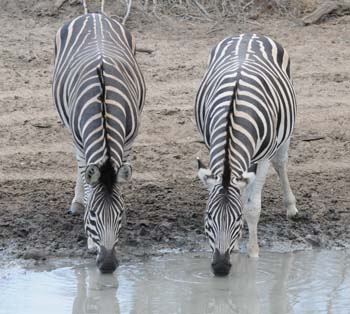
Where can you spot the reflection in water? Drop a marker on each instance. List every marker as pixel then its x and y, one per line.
pixel 279 296
pixel 186 285
pixel 303 282
pixel 96 292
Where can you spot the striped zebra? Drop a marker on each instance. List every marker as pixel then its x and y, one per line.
pixel 245 111
pixel 99 93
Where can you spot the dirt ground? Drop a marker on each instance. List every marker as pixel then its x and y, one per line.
pixel 165 201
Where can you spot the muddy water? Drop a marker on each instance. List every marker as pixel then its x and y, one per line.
pixel 302 282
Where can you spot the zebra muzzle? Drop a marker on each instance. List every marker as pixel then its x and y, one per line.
pixel 106 260
pixel 221 264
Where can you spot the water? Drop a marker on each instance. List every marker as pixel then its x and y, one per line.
pixel 301 282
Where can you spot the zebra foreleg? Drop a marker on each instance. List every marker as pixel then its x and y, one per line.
pixel 77 204
pixel 252 207
pixel 279 163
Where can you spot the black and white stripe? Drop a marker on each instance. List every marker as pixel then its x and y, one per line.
pixel 222 222
pixel 99 92
pixel 245 110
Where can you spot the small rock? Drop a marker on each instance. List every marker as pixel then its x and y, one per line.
pixel 22 233
pixel 30 59
pixel 313 240
pixel 35 254
pixel 133 243
pixel 143 223
pixel 67 226
pixel 165 225
pixel 338 78
pixel 143 231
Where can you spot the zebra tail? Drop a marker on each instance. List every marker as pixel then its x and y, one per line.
pixel 102 97
pixel 229 132
pixel 108 172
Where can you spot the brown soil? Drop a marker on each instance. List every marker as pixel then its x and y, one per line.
pixel 165 200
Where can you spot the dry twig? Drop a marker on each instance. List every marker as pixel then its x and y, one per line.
pixel 103 6
pixel 340 8
pixel 59 4
pixel 128 9
pixel 85 7
pixel 215 30
pixel 144 50
pixel 201 9
pixel 313 138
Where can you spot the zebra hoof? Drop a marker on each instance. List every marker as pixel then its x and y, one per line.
pixel 75 208
pixel 253 251
pixel 253 255
pixel 292 212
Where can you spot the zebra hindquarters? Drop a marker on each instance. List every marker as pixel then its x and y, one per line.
pixel 123 103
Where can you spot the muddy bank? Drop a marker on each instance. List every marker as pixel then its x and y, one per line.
pixel 35 224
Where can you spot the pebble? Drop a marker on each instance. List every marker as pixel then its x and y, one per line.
pixel 35 254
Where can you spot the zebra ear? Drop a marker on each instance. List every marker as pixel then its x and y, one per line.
pixel 92 174
pixel 245 179
pixel 200 164
pixel 124 173
pixel 208 179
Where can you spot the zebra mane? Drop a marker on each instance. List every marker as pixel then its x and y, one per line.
pixel 226 177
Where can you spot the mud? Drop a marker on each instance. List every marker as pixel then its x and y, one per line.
pixel 165 201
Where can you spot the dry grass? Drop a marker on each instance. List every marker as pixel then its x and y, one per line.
pixel 201 10
pixel 216 9
pixel 208 9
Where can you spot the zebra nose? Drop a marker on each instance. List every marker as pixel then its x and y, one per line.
pixel 221 264
pixel 106 260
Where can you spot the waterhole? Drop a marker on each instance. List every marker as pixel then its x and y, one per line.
pixel 300 282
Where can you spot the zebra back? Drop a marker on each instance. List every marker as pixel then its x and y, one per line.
pixel 245 106
pixel 98 88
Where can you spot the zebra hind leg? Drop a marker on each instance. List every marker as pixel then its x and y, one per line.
pixel 279 163
pixel 77 205
pixel 252 207
pixel 127 158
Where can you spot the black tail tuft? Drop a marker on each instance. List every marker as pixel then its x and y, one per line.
pixel 108 175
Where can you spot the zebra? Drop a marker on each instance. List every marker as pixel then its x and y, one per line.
pixel 245 111
pixel 99 93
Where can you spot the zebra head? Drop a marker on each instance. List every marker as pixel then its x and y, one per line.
pixel 223 218
pixel 104 211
